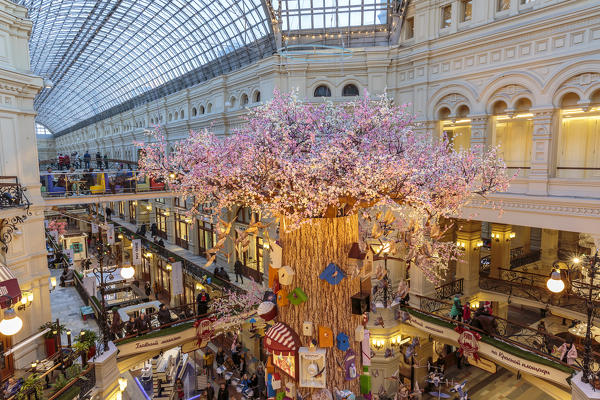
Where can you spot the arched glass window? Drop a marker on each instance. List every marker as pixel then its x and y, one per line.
pixel 257 97
pixel 244 100
pixel 350 90
pixel 194 112
pixel 182 114
pixel 322 91
pixel 201 110
pixel 513 133
pixel 170 117
pixel 209 108
pixel 176 115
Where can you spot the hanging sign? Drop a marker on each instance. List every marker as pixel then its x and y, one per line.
pixel 469 342
pixel 136 251
pixel 110 234
pixel 176 278
pixel 94 228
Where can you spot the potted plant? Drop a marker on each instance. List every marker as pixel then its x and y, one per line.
pixel 85 343
pixel 52 337
pixel 32 384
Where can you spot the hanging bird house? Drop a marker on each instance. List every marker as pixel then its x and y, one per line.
pixel 308 328
pixel 332 274
pixel 342 341
pixel 361 303
pixel 286 275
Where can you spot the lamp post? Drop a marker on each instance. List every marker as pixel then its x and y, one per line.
pixel 103 250
pixel 556 285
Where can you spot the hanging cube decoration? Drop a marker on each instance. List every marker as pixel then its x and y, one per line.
pixel 342 341
pixel 332 274
pixel 361 303
pixel 308 328
pixel 286 275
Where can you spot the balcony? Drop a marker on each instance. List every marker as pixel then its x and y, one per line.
pixel 12 194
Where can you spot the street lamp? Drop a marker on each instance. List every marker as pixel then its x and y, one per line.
pixel 11 324
pixel 556 285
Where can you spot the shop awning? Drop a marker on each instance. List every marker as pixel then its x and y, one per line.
pixel 281 339
pixel 10 292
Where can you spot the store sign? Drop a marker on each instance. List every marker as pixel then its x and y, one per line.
pixel 136 251
pixel 110 234
pixel 176 278
pixel 157 343
pixel 494 354
pixel 204 331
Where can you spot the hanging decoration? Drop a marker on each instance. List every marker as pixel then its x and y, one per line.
pixel 468 342
pixel 342 341
pixel 332 274
pixel 283 343
pixel 350 365
pixel 286 275
pixel 313 372
pixel 325 337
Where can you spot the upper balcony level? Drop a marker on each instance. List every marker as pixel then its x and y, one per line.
pixel 12 194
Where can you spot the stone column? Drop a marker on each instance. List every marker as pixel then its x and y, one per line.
pixel 549 246
pixel 107 373
pixel 479 125
pixel 540 152
pixel 468 235
pixel 419 285
pixel 500 249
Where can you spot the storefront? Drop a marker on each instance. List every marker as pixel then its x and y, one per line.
pixel 161 222
pixel 182 230
pixel 283 345
pixel 206 237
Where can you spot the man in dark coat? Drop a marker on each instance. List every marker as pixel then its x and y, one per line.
pixel 142 323
pixel 238 267
pixel 202 300
pixel 164 315
pixel 223 392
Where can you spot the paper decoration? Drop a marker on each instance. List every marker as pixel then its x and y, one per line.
pixel 342 341
pixel 297 296
pixel 286 275
pixel 308 328
pixel 344 394
pixel 136 251
pixel 110 234
pixel 359 333
pixel 276 254
pixel 282 298
pixel 176 278
pixel 313 372
pixel 350 365
pixel 290 390
pixel 276 381
pixel 332 274
pixel 325 337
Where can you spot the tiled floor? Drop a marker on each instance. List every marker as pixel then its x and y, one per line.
pixel 65 303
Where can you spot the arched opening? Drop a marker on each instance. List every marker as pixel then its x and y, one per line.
pixel 458 128
pixel 176 115
pixel 170 117
pixel 201 110
pixel 194 112
pixel 232 102
pixel 257 97
pixel 513 134
pixel 244 100
pixel 209 108
pixel 579 138
pixel 350 90
pixel 182 114
pixel 322 91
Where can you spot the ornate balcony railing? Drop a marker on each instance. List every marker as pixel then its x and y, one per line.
pixel 12 194
pixel 449 289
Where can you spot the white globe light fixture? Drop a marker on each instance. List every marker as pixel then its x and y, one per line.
pixel 127 272
pixel 555 284
pixel 11 324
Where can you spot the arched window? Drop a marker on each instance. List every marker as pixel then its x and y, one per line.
pixel 209 108
pixel 170 117
pixel 201 110
pixel 194 112
pixel 232 101
pixel 244 100
pixel 350 90
pixel 322 91
pixel 257 96
pixel 182 114
pixel 513 133
pixel 176 115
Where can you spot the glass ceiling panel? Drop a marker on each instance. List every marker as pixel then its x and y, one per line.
pixel 318 14
pixel 99 54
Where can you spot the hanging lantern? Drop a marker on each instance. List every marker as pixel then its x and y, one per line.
pixel 127 272
pixel 11 324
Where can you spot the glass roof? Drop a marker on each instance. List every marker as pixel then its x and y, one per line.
pixel 321 14
pixel 98 54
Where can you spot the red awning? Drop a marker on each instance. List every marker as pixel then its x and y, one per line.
pixel 10 292
pixel 281 339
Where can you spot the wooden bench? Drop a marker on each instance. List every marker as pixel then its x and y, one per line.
pixel 87 311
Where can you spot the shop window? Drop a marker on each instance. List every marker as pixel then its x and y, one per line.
pixel 132 212
pixel 579 138
pixel 446 16
pixel 410 28
pixel 163 277
pixel 466 10
pixel 244 215
pixel 350 90
pixel 513 133
pixel 121 209
pixel 206 237
pixel 161 222
pixel 182 230
pixel 322 91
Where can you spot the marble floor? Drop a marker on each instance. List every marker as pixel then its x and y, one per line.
pixel 65 303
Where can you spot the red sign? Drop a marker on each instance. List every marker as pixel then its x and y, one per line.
pixel 204 331
pixel 469 342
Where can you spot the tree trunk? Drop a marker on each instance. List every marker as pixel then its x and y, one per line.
pixel 308 250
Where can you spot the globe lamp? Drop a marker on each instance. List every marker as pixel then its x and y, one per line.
pixel 11 324
pixel 555 284
pixel 127 272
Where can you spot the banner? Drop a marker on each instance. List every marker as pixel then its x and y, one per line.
pixel 136 251
pixel 158 343
pixel 484 364
pixel 110 234
pixel 94 228
pixel 494 354
pixel 176 278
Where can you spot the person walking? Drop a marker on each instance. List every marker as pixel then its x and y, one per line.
pixel 223 392
pixel 87 159
pixel 456 312
pixel 238 268
pixel 210 392
pixel 179 388
pixel 466 313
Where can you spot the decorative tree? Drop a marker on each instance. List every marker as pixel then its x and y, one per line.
pixel 313 168
pixel 234 308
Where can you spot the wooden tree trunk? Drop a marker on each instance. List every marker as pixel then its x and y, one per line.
pixel 308 250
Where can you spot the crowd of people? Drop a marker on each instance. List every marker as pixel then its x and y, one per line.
pixel 66 161
pixel 82 182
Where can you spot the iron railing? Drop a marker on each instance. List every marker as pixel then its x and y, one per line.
pixel 12 194
pixel 449 289
pixel 525 259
